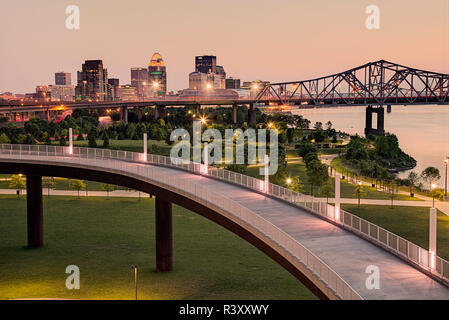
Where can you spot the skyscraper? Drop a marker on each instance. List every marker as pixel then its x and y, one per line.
pixel 92 82
pixel 207 74
pixel 206 64
pixel 140 80
pixel 113 86
pixel 63 78
pixel 157 75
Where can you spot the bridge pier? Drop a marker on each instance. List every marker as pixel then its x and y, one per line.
pixel 35 213
pixel 124 114
pixel 234 113
pixel 164 236
pixel 252 120
pixel 369 120
pixel 159 112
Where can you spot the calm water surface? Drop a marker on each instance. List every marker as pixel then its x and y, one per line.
pixel 423 131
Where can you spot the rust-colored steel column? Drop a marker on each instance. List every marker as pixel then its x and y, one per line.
pixel 35 213
pixel 164 236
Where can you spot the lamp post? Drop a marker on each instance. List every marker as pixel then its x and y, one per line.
pixel 134 267
pixel 433 194
pixel 445 178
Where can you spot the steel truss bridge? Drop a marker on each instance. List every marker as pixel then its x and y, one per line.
pixel 375 83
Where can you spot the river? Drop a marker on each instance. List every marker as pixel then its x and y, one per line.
pixel 423 131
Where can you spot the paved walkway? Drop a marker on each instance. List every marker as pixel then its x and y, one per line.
pixel 344 252
pixel 443 206
pixel 135 194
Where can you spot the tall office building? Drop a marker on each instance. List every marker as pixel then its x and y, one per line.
pixel 206 64
pixel 113 87
pixel 157 76
pixel 63 79
pixel 92 82
pixel 140 81
pixel 207 74
pixel 232 83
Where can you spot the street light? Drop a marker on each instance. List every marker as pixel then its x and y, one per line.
pixel 134 267
pixel 289 180
pixel 270 124
pixel 433 194
pixel 445 177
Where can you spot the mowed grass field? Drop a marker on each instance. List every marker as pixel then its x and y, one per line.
pixel 411 223
pixel 105 237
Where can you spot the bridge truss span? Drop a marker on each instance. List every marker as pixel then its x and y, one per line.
pixel 375 83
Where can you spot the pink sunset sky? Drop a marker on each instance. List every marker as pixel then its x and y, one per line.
pixel 282 40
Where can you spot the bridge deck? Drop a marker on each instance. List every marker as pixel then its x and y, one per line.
pixel 344 252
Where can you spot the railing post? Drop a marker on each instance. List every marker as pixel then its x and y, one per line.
pixel 337 197
pixel 266 173
pixel 145 147
pixel 70 141
pixel 432 237
pixel 205 159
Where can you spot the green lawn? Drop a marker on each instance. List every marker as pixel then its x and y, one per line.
pixel 104 237
pixel 347 189
pixel 411 223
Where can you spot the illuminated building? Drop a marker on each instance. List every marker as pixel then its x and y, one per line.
pixel 113 85
pixel 207 74
pixel 62 92
pixel 92 82
pixel 140 80
pixel 232 83
pixel 157 76
pixel 63 78
pixel 127 93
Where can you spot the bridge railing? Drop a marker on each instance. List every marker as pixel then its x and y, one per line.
pixel 106 159
pixel 395 244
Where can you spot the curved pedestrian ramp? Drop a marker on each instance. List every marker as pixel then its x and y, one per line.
pixel 329 250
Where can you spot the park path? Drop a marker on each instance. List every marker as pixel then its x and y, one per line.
pixel 135 194
pixel 443 206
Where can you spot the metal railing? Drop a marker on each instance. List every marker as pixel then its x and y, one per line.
pixel 129 165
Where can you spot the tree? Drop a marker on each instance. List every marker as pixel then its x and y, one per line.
pixel 359 192
pixel 106 141
pixel 49 183
pixel 4 139
pixel 430 175
pixel 296 184
pixel 77 185
pixel 108 188
pixel 413 179
pixel 328 190
pixel 306 148
pixel 317 174
pixel 17 182
pixel 92 136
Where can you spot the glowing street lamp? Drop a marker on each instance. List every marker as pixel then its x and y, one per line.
pixel 269 125
pixel 289 180
pixel 433 194
pixel 445 177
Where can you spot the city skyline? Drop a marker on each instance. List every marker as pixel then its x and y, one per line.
pixel 250 48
